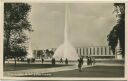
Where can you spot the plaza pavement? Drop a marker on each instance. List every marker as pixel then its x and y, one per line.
pixel 50 70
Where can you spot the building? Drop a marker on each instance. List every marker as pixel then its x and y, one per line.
pixel 94 51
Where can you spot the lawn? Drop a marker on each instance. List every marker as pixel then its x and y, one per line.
pixel 96 71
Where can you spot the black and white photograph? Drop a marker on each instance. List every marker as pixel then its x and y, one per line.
pixel 64 40
pixel 64 80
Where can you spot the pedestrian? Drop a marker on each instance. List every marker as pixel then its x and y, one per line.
pixel 80 63
pixel 61 60
pixel 91 61
pixel 66 61
pixel 28 60
pixel 87 60
pixel 42 60
pixel 81 60
pixel 53 61
pixel 33 60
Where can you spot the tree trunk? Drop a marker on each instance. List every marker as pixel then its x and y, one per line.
pixel 6 46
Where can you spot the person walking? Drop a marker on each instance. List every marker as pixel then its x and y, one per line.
pixel 87 60
pixel 61 60
pixel 53 61
pixel 42 60
pixel 90 60
pixel 66 61
pixel 28 60
pixel 80 63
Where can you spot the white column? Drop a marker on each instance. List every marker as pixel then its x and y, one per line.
pixel 97 51
pixel 89 51
pixel 118 51
pixel 78 51
pixel 81 51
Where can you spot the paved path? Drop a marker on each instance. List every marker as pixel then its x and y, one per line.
pixel 44 70
pixel 49 70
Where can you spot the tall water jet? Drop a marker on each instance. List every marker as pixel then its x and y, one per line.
pixel 66 50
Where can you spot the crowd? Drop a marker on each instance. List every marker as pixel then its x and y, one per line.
pixel 61 61
pixel 90 61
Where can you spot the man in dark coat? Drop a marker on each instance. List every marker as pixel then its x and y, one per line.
pixel 80 63
pixel 61 60
pixel 42 60
pixel 53 61
pixel 66 61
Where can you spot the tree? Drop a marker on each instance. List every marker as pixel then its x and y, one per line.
pixel 47 53
pixel 15 24
pixel 40 53
pixel 118 31
pixel 51 53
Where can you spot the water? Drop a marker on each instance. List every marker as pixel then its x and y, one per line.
pixel 66 50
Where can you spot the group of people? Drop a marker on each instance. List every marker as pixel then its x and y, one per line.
pixel 66 61
pixel 53 61
pixel 80 63
pixel 90 60
pixel 61 61
pixel 30 60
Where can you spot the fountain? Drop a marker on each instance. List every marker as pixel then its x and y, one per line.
pixel 66 50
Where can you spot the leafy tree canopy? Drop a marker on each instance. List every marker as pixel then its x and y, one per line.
pixel 118 31
pixel 15 24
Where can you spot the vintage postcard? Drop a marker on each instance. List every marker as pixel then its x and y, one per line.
pixel 63 40
pixel 64 80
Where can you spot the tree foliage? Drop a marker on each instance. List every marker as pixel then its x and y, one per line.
pixel 118 31
pixel 15 24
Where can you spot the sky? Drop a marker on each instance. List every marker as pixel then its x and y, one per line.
pixel 89 24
